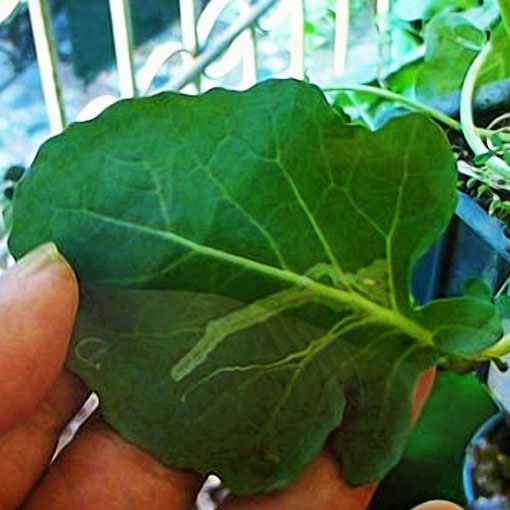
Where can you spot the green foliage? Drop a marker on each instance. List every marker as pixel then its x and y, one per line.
pixel 453 39
pixel 451 36
pixel 452 42
pixel 410 10
pixel 319 22
pixel 497 65
pixel 504 9
pixel 431 467
pixel 251 258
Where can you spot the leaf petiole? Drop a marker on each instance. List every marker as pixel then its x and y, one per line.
pixel 399 98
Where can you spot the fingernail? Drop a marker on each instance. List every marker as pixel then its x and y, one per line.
pixel 45 258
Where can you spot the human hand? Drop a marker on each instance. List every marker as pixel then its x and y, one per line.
pixel 38 302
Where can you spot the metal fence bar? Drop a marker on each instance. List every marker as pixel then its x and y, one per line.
pixel 222 43
pixel 249 60
pixel 122 38
pixel 241 49
pixel 297 39
pixel 342 24
pixel 202 61
pixel 47 60
pixel 188 10
pixel 383 26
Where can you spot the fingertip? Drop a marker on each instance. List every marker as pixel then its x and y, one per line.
pixel 45 259
pixel 437 505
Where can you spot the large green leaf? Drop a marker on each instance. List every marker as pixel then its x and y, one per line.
pixel 258 253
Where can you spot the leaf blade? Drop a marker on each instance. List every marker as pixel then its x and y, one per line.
pixel 215 205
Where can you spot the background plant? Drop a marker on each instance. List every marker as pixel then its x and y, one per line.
pixel 432 46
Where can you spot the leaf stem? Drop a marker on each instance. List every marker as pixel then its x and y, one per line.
pixel 500 349
pixel 399 98
pixel 322 291
pixel 487 133
pixel 411 103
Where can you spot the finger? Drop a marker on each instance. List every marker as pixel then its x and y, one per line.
pixel 321 486
pixel 437 505
pixel 421 392
pixel 26 449
pixel 100 470
pixel 38 302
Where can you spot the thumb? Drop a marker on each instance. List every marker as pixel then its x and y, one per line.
pixel 38 302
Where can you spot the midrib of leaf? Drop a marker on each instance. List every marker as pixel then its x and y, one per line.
pixel 321 291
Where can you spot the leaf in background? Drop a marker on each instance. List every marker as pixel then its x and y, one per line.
pixel 452 42
pixel 503 304
pixel 435 68
pixel 453 39
pixel 410 10
pixel 462 326
pixel 372 111
pixel 287 239
pixel 497 64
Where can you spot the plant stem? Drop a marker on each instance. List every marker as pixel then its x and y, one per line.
pixel 415 105
pixel 399 98
pixel 498 350
pixel 496 164
pixel 505 136
pixel 321 291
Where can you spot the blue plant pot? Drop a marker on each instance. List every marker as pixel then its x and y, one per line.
pixel 473 246
pixel 486 430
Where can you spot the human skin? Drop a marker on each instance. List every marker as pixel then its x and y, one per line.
pixel 38 303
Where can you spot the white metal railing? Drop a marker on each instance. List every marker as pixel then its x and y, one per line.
pixel 203 63
pixel 235 45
